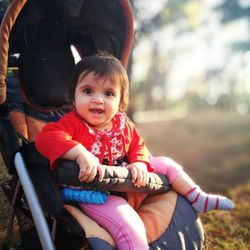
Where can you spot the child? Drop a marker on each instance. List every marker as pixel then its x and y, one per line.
pixel 96 132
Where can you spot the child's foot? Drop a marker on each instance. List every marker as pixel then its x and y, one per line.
pixel 203 202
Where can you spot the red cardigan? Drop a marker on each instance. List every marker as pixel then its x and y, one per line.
pixel 56 138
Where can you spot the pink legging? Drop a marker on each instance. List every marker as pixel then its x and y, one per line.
pixel 120 219
pixel 166 166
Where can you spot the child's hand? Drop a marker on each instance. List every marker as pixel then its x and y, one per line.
pixel 89 165
pixel 139 173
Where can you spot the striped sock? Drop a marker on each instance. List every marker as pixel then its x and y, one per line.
pixel 203 202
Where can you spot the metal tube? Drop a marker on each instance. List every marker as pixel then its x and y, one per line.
pixel 34 204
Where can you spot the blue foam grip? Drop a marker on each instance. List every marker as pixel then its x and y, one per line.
pixel 84 196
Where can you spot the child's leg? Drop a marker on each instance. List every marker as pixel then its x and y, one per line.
pixel 183 184
pixel 122 222
pixel 166 166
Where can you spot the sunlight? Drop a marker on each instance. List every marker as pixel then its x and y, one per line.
pixel 75 54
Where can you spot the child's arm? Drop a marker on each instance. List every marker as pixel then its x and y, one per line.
pixel 138 156
pixel 89 164
pixel 61 139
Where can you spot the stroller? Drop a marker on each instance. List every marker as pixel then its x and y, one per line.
pixel 42 32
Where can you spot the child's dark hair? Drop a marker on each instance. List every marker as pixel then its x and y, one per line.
pixel 103 65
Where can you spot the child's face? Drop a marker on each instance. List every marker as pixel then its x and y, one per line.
pixel 97 99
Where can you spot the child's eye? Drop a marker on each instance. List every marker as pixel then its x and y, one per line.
pixel 109 93
pixel 87 91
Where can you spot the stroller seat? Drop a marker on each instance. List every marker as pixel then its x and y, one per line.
pixel 42 33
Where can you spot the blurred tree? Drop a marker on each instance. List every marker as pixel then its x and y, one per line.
pixel 182 18
pixel 232 10
pixel 171 11
pixel 153 90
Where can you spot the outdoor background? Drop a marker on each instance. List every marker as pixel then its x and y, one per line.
pixel 190 99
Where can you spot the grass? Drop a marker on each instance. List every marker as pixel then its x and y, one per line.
pixel 214 149
pixel 230 230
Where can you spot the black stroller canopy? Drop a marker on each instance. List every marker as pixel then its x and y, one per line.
pixel 43 33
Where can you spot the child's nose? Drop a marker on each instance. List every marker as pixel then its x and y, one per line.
pixel 98 99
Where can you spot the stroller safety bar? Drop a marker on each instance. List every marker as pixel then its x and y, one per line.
pixel 34 204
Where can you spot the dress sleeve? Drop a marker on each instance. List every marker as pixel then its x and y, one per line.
pixel 56 138
pixel 137 150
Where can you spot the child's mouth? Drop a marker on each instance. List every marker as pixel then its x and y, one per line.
pixel 97 111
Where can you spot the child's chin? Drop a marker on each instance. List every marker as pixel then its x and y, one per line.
pixel 96 124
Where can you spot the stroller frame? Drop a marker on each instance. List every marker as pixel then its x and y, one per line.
pixel 34 204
